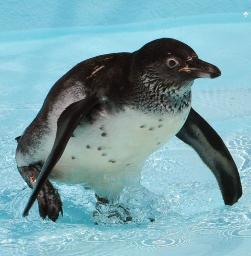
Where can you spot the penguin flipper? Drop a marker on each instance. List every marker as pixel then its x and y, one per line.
pixel 66 124
pixel 197 133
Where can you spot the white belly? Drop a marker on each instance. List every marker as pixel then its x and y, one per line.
pixel 109 154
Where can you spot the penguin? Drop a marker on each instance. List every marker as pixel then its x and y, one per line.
pixel 104 117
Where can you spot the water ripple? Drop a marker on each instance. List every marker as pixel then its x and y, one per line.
pixel 163 242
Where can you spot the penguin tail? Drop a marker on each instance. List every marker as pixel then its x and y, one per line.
pixel 17 138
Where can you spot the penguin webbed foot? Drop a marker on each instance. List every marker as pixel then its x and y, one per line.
pixel 106 212
pixel 49 201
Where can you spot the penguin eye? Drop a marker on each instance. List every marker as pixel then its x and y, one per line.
pixel 172 62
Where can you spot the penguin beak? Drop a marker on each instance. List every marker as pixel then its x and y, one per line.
pixel 198 69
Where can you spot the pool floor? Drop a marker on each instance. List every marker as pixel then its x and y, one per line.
pixel 177 189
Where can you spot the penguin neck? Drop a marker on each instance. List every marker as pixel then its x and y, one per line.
pixel 154 95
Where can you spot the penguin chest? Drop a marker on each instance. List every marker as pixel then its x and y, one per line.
pixel 115 145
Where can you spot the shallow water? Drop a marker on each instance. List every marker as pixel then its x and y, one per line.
pixel 184 198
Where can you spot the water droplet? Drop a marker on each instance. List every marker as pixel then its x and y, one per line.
pixel 245 14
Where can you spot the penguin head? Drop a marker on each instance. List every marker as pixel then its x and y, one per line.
pixel 171 62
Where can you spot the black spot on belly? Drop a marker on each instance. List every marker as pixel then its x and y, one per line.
pixel 103 154
pixel 151 129
pixel 103 134
pixel 73 157
pixel 160 120
pixel 73 135
pixel 99 148
pixel 88 146
pixel 158 143
pixel 112 161
pixel 160 125
pixel 142 126
pixel 101 128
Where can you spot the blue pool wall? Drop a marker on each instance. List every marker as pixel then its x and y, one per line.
pixel 38 14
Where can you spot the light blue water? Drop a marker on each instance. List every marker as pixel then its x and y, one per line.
pixel 191 218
